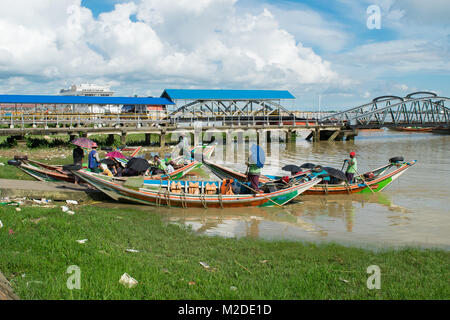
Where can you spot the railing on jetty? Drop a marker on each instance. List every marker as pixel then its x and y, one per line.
pixel 33 120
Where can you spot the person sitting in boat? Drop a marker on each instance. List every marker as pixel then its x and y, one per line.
pixel 116 169
pixel 105 170
pixel 94 160
pixel 170 168
pixel 161 167
pixel 352 167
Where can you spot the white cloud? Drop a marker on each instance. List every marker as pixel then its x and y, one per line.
pixel 205 43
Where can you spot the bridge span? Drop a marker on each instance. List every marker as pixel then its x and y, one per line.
pixel 213 115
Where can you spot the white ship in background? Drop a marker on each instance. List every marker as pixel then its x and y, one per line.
pixel 91 90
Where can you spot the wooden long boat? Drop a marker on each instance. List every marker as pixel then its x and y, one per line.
pixel 412 129
pixel 382 177
pixel 441 130
pixel 45 172
pixel 160 195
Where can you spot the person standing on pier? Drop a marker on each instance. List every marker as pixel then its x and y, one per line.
pixel 94 159
pixel 352 167
pixel 78 155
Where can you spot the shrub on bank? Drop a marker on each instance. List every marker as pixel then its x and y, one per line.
pixel 44 143
pixel 10 142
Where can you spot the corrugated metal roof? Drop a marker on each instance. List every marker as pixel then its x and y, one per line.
pixel 49 99
pixel 195 94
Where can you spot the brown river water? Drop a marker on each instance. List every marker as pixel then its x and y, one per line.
pixel 413 211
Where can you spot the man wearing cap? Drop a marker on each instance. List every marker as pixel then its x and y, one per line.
pixel 352 167
pixel 94 159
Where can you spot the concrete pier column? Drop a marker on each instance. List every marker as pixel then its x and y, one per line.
pixel 148 139
pixel 228 137
pixel 162 139
pixel 268 136
pixel 110 139
pixel 316 134
pixel 123 138
pixel 290 136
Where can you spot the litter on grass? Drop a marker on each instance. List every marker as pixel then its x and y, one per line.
pixel 128 281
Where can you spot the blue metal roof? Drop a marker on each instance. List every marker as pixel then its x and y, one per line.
pixel 194 94
pixel 41 99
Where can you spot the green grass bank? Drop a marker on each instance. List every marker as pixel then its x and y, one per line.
pixel 35 256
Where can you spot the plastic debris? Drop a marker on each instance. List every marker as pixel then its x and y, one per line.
pixel 204 265
pixel 1 224
pixel 37 282
pixel 128 281
pixel 64 208
pixel 233 288
pixel 71 212
pixel 131 250
pixel 71 202
pixel 18 209
pixel 343 280
pixel 82 241
pixel 191 283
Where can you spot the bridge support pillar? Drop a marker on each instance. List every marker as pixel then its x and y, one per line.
pixel 229 137
pixel 290 136
pixel 123 138
pixel 148 139
pixel 110 140
pixel 316 134
pixel 162 139
pixel 268 136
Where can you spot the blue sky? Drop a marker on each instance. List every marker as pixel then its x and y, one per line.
pixel 310 48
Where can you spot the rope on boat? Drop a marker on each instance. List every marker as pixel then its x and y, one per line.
pixel 167 194
pixel 220 200
pixel 203 199
pixel 183 201
pixel 347 186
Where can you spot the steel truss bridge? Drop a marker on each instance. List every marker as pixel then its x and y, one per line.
pixel 418 109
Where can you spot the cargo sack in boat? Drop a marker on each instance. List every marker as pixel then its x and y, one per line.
pixel 194 188
pixel 210 188
pixel 175 187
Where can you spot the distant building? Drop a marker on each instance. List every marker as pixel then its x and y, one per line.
pixel 88 90
pixel 91 90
